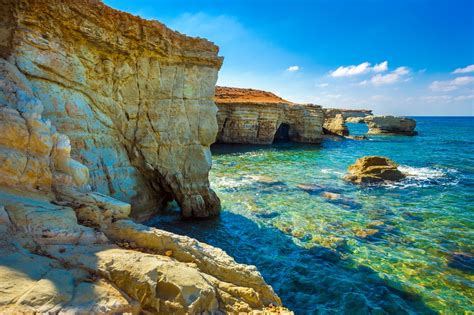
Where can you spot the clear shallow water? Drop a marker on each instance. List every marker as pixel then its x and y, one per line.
pixel 403 248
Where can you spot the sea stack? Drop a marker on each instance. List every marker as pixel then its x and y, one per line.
pixel 373 169
pixel 391 125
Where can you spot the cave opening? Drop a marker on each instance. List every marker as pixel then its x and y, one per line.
pixel 282 134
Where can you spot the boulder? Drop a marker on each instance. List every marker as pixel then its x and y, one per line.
pixel 372 169
pixel 391 125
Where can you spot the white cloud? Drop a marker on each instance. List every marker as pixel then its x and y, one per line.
pixel 451 85
pixel 323 84
pixel 351 70
pixel 390 78
pixel 362 68
pixel 293 68
pixel 466 69
pixel 381 67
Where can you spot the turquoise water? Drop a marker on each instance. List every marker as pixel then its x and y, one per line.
pixel 400 249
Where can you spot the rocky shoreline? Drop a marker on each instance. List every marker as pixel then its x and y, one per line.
pixel 105 118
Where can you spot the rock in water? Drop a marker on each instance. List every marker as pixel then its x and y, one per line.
pixel 391 125
pixel 372 169
pixel 334 123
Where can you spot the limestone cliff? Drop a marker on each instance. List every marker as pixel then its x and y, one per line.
pixel 391 125
pixel 135 98
pixel 260 117
pixel 67 249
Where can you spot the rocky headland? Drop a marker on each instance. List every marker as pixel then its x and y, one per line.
pixel 135 98
pixel 260 117
pixel 97 103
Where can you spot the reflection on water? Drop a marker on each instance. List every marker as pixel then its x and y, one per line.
pixel 329 246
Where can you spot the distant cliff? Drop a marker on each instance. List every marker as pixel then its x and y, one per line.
pixel 261 117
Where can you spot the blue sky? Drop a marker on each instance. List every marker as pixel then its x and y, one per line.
pixel 405 57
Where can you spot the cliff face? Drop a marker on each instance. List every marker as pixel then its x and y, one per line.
pixel 135 98
pixel 65 248
pixel 260 117
pixel 348 113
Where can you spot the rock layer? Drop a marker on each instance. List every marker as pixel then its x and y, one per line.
pixel 135 98
pixel 391 125
pixel 260 117
pixel 373 169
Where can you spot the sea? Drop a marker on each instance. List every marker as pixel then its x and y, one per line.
pixel 328 246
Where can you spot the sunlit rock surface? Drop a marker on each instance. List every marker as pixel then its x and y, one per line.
pixel 334 123
pixel 374 169
pixel 135 98
pixel 260 117
pixel 66 248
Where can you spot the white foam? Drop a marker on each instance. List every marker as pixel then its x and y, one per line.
pixel 422 173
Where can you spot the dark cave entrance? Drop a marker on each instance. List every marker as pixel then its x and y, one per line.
pixel 282 134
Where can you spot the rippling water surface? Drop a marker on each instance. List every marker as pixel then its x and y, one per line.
pixel 327 246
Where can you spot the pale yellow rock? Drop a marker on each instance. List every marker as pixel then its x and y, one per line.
pixel 334 123
pixel 135 98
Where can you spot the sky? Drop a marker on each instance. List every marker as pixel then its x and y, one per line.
pixel 404 57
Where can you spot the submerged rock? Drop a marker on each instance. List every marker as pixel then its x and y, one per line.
pixel 391 125
pixel 371 169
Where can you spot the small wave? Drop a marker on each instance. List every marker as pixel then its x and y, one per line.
pixel 422 173
pixel 425 176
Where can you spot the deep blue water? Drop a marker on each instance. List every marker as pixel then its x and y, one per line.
pixel 393 249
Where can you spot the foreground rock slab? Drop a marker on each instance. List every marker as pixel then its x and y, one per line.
pixel 374 169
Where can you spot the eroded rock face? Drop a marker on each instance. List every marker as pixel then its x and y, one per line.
pixel 373 169
pixel 67 249
pixel 260 117
pixel 391 125
pixel 352 113
pixel 334 123
pixel 135 98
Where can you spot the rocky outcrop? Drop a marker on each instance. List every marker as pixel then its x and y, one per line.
pixel 391 125
pixel 135 98
pixel 67 249
pixel 373 169
pixel 260 117
pixel 334 123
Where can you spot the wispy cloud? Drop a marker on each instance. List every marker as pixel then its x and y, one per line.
pixel 390 78
pixel 466 69
pixel 451 85
pixel 353 70
pixel 293 68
